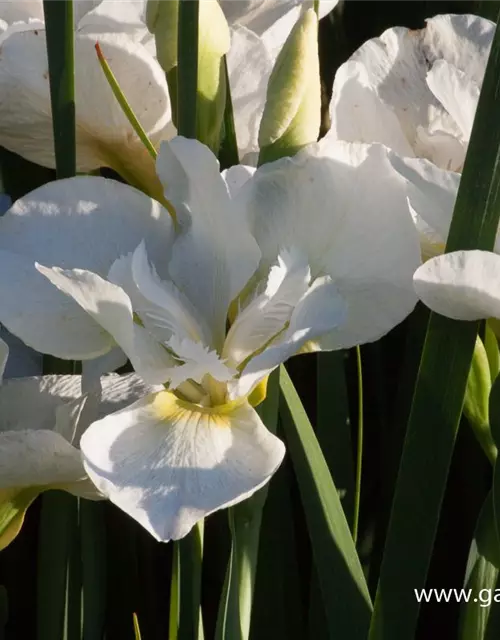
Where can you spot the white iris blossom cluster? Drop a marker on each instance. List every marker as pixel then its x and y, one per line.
pixel 216 280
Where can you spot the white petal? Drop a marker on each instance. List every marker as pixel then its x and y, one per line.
pixel 168 464
pixel 41 457
pixel 89 222
pixel 268 313
pixel 456 92
pixel 36 312
pixel 93 370
pixel 463 285
pixel 320 311
pixel 236 176
pixel 21 10
pixel 165 312
pixel 345 207
pixel 197 361
pixel 261 15
pixel 177 314
pixel 387 77
pixel 431 192
pixel 463 40
pixel 104 135
pixel 215 254
pixel 38 417
pixel 114 16
pixel 110 306
pixel 68 419
pixel 31 403
pixel 85 222
pixel 359 114
pixel 249 66
pixel 104 302
pixel 380 93
pixel 256 14
pixel 442 141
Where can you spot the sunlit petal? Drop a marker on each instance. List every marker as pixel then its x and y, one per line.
pixel 463 285
pixel 111 308
pixel 168 464
pixel 215 254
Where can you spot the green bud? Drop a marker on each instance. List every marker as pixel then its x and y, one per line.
pixel 292 115
pixel 214 43
pixel 476 402
pixel 161 20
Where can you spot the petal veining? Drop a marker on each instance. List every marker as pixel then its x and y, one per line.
pixel 168 464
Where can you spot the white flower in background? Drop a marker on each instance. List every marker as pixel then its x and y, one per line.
pixel 41 421
pixel 103 134
pixel 415 91
pixel 463 285
pixel 314 252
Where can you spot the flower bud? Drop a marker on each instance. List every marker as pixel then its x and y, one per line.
pixel 214 43
pixel 476 402
pixel 292 115
pixel 161 20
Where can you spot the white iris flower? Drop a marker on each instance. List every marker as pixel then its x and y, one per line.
pixel 315 252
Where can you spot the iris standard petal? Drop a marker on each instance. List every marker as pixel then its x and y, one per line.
pixel 345 208
pixel 215 254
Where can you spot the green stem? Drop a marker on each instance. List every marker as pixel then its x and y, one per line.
pixel 174 594
pixel 359 454
pixel 74 582
pixel 57 528
pixel 61 57
pixel 93 548
pixel 187 71
pixel 185 620
pixel 59 510
pixel 235 608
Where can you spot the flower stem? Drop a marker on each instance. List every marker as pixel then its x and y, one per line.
pixel 187 72
pixel 359 455
pixel 185 617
